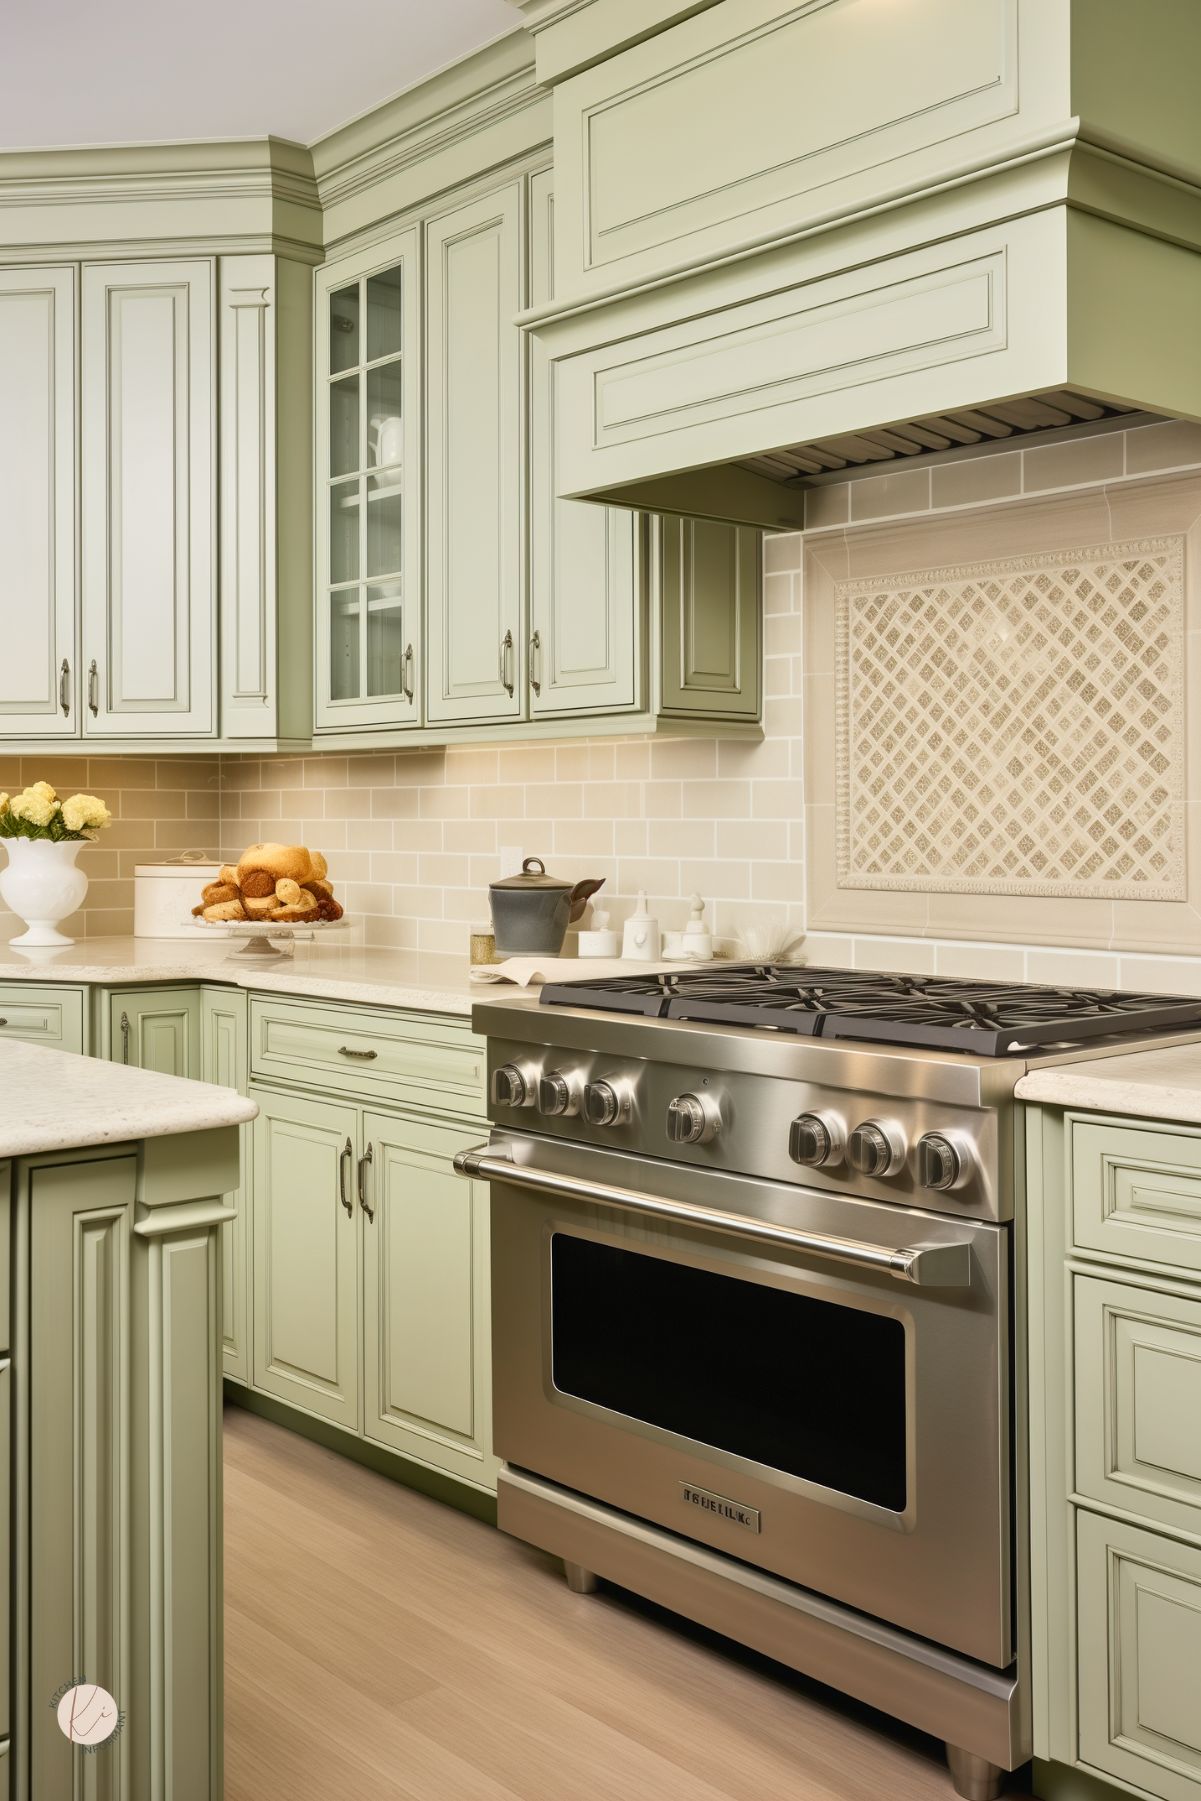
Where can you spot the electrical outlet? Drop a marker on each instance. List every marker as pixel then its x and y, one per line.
pixel 510 860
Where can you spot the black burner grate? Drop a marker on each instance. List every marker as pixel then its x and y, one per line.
pixel 990 1019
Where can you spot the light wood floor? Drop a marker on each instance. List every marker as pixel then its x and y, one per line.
pixel 382 1647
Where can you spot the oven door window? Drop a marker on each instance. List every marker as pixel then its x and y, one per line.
pixel 809 1387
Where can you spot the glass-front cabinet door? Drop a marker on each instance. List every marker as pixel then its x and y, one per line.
pixel 368 621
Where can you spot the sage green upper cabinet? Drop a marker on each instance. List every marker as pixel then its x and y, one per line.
pixel 39 688
pixel 149 513
pixel 710 609
pixel 306 1255
pixel 369 654
pixel 474 460
pixel 585 653
pixel 265 323
pixel 425 1292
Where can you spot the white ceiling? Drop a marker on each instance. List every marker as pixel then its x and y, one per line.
pixel 140 71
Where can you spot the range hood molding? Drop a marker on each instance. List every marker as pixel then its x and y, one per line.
pixel 1043 262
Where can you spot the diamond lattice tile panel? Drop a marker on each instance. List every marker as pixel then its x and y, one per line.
pixel 1016 727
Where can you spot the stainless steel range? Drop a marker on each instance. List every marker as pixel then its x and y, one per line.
pixel 753 1311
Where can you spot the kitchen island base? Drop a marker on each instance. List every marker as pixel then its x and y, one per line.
pixel 116 1460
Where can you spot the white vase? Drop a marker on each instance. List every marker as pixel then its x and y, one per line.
pixel 42 885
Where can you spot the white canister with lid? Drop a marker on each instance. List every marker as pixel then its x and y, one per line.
pixel 164 895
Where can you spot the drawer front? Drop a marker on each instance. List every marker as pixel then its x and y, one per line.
pixel 925 331
pixel 814 123
pixel 1138 1401
pixel 414 1061
pixel 1136 1191
pixel 1139 1625
pixel 49 1016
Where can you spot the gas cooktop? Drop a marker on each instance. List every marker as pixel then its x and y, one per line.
pixel 988 1019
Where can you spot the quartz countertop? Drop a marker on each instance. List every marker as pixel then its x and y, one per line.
pixel 323 971
pixel 1157 1084
pixel 57 1101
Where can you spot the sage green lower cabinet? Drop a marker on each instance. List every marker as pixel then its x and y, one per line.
pixel 223 1060
pixel 155 1028
pixel 1139 1601
pixel 306 1256
pixel 55 1017
pixel 425 1299
pixel 1114 1280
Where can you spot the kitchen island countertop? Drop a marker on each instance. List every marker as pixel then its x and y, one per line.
pixel 56 1101
pixel 1158 1084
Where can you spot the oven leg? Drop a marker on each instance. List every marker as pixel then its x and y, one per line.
pixel 974 1777
pixel 579 1580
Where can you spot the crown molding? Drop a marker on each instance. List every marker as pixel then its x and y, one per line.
pixel 571 35
pixel 215 193
pixel 488 84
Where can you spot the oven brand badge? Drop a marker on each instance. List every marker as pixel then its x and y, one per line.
pixel 722 1506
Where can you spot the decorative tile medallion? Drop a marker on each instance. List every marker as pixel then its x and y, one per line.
pixel 1015 727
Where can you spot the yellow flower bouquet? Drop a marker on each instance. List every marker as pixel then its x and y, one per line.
pixel 37 812
pixel 42 835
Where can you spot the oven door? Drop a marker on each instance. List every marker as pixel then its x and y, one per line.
pixel 812 1383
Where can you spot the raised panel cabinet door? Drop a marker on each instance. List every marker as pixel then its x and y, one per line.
pixel 585 647
pixel 149 517
pixel 710 577
pixel 223 1060
pixel 369 652
pixel 80 1218
pixel 305 1255
pixel 158 1030
pixel 473 461
pixel 1138 1657
pixel 426 1382
pixel 39 680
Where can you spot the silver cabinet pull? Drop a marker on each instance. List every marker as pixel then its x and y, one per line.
pixel 506 663
pixel 365 1161
pixel 348 1050
pixel 94 688
pixel 536 662
pixel 344 1157
pixel 64 678
pixel 408 686
pixel 926 1265
pixel 125 1038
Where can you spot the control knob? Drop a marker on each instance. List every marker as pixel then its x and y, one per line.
pixel 875 1149
pixel 815 1139
pixel 513 1086
pixel 693 1119
pixel 557 1095
pixel 606 1103
pixel 941 1164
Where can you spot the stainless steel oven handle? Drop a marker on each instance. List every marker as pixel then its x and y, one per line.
pixel 927 1265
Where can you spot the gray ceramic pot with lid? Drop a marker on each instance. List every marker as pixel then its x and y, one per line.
pixel 532 911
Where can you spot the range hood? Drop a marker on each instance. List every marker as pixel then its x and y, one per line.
pixel 795 242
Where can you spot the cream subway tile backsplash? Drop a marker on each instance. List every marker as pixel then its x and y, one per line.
pixel 160 806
